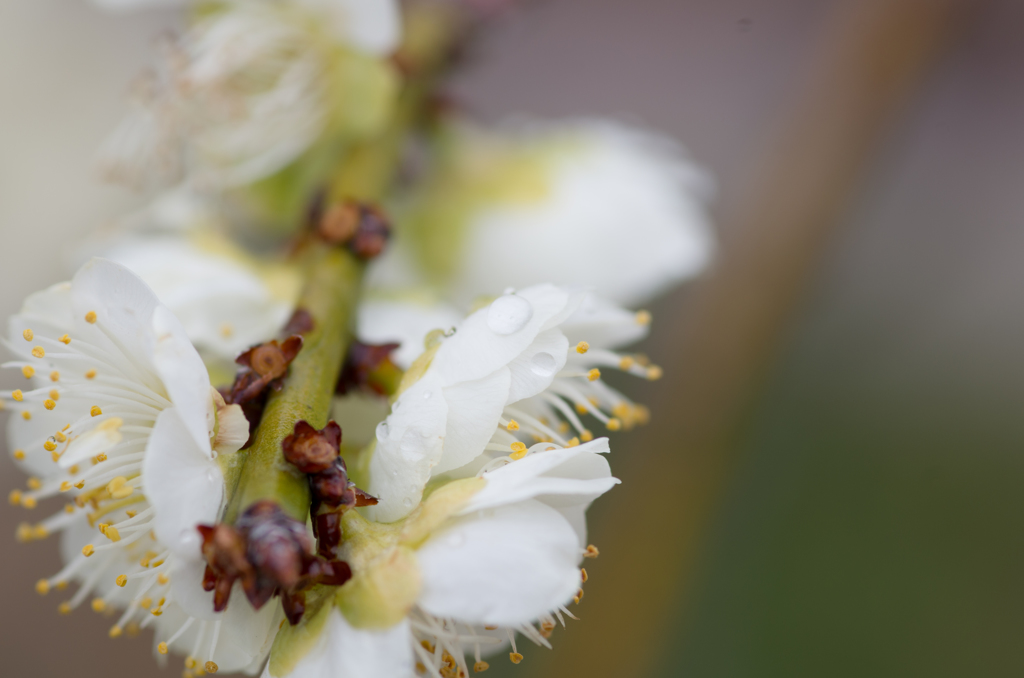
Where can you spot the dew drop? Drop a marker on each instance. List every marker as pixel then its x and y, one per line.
pixel 509 314
pixel 382 431
pixel 407 502
pixel 426 396
pixel 543 364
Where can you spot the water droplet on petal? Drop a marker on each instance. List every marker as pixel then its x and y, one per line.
pixel 426 396
pixel 407 502
pixel 543 364
pixel 382 431
pixel 509 314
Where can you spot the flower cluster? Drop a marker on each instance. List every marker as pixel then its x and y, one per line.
pixel 334 401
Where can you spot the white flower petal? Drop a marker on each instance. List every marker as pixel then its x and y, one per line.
pixel 187 588
pixel 345 651
pixel 184 376
pixel 534 369
pixel 603 324
pixel 474 408
pixel 476 350
pixel 561 477
pixel 183 484
pixel 505 566
pixel 123 305
pixel 409 445
pixel 232 427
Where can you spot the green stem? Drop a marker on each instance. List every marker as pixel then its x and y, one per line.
pixel 332 287
pixel 329 296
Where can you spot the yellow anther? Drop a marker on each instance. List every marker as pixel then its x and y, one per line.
pixel 61 585
pixel 157 611
pixel 70 508
pixel 654 373
pixel 98 605
pixel 49 404
pixel 24 533
pixel 19 454
pixel 38 352
pixel 40 532
pixel 91 374
pixel 112 534
pixel 518 447
pixel 591 552
pixel 586 436
pixel 65 486
pixel 490 627
pixel 18 395
pixel 480 667
pixel 643 318
pixel 622 410
pixel 28 502
pixel 118 489
pixel 42 587
pixel 211 667
pixel 122 580
pixel 131 514
pixel 581 408
pixel 26 415
pixel 190 662
pixel 162 648
pixel 54 394
pixel 614 424
pixel 54 376
pixel 14 497
pixel 27 333
pixel 162 578
pixel 579 597
pixel 61 438
pixel 594 374
pixel 28 371
pixel 573 442
pixel 627 362
pixel 116 631
pixel 513 425
pixel 101 457
pixel 90 317
pixel 226 330
pixel 583 575
pixel 80 484
pixel 427 645
pixel 88 550
pixel 34 483
pixel 64 608
pixel 95 411
pixel 65 340
pixel 515 657
pixel 582 347
pixel 146 603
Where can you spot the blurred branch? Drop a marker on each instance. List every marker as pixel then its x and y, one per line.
pixel 872 56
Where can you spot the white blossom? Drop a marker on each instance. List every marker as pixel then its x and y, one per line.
pixel 480 560
pixel 523 367
pixel 250 87
pixel 121 418
pixel 582 202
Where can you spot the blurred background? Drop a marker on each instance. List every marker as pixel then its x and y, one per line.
pixel 832 482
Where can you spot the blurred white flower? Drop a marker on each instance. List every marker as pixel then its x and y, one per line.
pixel 524 366
pixel 251 86
pixel 482 559
pixel 585 202
pixel 226 300
pixel 121 416
pixel 371 25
